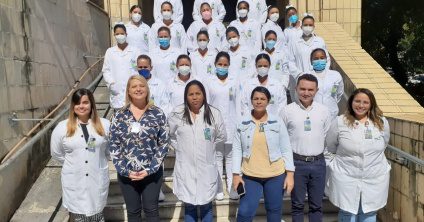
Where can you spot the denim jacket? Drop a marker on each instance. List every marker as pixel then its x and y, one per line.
pixel 277 140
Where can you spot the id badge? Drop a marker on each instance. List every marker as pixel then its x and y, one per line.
pixel 272 100
pixel 261 127
pixel 249 33
pixel 231 94
pixel 334 91
pixel 91 144
pixel 277 66
pixel 207 134
pixel 307 125
pixel 368 134
pixel 133 64
pixel 172 66
pixel 146 39
pixel 135 127
pixel 209 69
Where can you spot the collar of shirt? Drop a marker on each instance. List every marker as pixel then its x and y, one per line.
pixel 308 109
pixel 126 50
pixel 248 119
pixel 132 26
pixel 181 82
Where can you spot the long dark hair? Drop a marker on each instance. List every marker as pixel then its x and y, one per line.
pixel 207 116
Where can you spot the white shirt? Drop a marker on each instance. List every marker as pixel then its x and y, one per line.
pixel 216 31
pixel 138 36
pixel 304 141
pixel 281 40
pixel 330 90
pixel 164 62
pixel 85 174
pixel 196 177
pixel 203 66
pixel 118 66
pixel 291 33
pixel 177 8
pixel 357 167
pixel 218 9
pixel 242 63
pixel 250 33
pixel 279 66
pixel 158 92
pixel 178 36
pixel 258 10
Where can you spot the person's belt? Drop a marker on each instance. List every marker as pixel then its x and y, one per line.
pixel 307 158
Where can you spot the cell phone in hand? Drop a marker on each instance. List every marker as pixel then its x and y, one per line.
pixel 240 189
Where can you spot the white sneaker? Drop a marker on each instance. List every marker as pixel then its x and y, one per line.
pixel 161 196
pixel 219 196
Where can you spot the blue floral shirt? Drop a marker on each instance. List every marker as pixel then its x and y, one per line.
pixel 138 145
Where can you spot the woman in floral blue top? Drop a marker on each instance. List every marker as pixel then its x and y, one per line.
pixel 138 145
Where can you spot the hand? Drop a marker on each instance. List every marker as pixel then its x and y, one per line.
pixel 236 181
pixel 135 176
pixel 289 182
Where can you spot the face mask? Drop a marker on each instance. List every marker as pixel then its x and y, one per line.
pixel 164 42
pixel 293 19
pixel 270 44
pixel 120 38
pixel 243 13
pixel 184 70
pixel 233 42
pixel 319 64
pixel 221 71
pixel 274 17
pixel 202 44
pixel 206 15
pixel 136 17
pixel 262 71
pixel 167 15
pixel 307 30
pixel 145 73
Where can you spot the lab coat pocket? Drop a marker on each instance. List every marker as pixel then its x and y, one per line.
pixel 69 179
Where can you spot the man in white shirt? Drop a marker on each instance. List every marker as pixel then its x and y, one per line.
pixel 307 123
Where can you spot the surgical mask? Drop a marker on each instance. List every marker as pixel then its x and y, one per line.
pixel 270 44
pixel 262 71
pixel 307 30
pixel 184 70
pixel 221 71
pixel 243 13
pixel 274 17
pixel 136 17
pixel 164 42
pixel 233 41
pixel 145 73
pixel 202 44
pixel 206 15
pixel 121 39
pixel 319 64
pixel 293 19
pixel 167 15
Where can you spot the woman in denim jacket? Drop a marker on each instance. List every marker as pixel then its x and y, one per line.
pixel 262 153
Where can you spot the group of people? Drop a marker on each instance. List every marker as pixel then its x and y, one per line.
pixel 251 99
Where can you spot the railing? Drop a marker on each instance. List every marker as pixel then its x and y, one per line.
pixel 404 158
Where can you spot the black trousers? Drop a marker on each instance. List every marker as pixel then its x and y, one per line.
pixel 142 194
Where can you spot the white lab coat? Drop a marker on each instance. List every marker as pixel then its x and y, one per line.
pixel 164 62
pixel 330 90
pixel 196 177
pixel 203 66
pixel 357 167
pixel 279 66
pixel 85 174
pixel 178 36
pixel 291 33
pixel 177 8
pixel 242 63
pixel 138 36
pixel 118 66
pixel 281 40
pixel 250 33
pixel 258 10
pixel 218 9
pixel 158 92
pixel 216 31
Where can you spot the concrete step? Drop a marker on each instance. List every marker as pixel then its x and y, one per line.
pixel 286 218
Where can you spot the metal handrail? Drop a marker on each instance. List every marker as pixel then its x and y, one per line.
pixel 405 157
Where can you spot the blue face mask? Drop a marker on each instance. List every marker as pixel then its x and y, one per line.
pixel 164 42
pixel 270 44
pixel 145 73
pixel 293 19
pixel 221 71
pixel 319 64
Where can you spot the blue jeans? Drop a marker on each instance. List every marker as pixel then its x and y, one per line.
pixel 309 177
pixel 272 188
pixel 190 212
pixel 345 216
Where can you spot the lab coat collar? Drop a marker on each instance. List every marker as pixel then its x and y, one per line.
pixel 178 80
pixel 304 108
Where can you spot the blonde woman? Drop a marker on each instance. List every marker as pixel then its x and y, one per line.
pixel 138 145
pixel 80 143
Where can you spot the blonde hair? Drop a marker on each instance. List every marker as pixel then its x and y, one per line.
pixel 128 100
pixel 71 126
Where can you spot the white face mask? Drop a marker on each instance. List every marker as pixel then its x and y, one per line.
pixel 167 15
pixel 121 39
pixel 262 71
pixel 184 70
pixel 233 42
pixel 136 17
pixel 243 13
pixel 274 17
pixel 307 30
pixel 202 44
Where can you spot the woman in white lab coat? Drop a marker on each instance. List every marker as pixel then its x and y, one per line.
pixel 218 9
pixel 258 10
pixel 178 12
pixel 119 64
pixel 214 27
pixel 249 29
pixel 223 96
pixel 271 24
pixel 293 29
pixel 195 128
pixel 178 34
pixel 80 144
pixel 203 58
pixel 137 31
pixel 358 171
pixel 330 82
